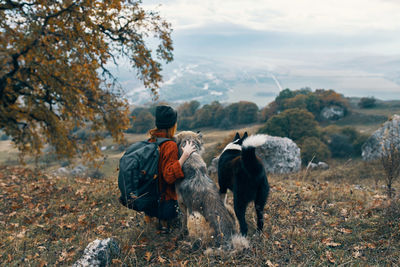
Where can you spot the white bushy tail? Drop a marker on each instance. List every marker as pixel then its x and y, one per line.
pixel 254 140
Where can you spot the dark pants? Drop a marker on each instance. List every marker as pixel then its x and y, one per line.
pixel 166 210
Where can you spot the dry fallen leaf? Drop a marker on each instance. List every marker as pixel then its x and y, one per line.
pixel 270 264
pixel 357 254
pixel 161 259
pixel 329 242
pixel 147 255
pixel 330 257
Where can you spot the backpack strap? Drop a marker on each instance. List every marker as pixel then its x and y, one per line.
pixel 162 140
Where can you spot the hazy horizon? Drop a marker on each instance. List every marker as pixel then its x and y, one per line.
pixel 350 46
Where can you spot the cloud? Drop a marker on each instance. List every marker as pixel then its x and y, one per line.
pixel 301 16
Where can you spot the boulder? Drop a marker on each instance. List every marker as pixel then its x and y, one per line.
pixel 312 166
pixel 382 138
pixel 99 253
pixel 278 154
pixel 323 165
pixel 79 170
pixel 62 171
pixel 332 113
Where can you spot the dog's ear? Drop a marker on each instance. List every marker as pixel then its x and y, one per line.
pixel 245 135
pixel 237 136
pixel 200 134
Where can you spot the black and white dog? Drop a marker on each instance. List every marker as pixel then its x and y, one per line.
pixel 240 170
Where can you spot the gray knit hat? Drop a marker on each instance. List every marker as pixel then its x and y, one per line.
pixel 165 117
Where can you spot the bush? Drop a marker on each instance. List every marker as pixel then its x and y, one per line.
pixel 96 174
pixel 367 102
pixel 343 141
pixel 341 146
pixel 312 148
pixel 292 123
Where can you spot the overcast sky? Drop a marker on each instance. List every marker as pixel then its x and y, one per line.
pixel 376 23
pixel 352 46
pixel 300 16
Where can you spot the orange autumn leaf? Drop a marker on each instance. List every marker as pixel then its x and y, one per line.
pixel 56 77
pixel 147 255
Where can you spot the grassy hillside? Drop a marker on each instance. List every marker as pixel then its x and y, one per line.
pixel 340 216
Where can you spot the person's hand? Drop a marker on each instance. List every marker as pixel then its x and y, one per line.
pixel 188 149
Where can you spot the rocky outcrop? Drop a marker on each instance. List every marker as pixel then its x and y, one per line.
pixel 332 113
pixel 99 253
pixel 279 155
pixel 381 139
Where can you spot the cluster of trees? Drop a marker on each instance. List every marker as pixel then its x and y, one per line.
pixel 312 101
pixel 191 116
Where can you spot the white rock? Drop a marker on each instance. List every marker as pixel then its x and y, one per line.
pixel 332 113
pixel 99 253
pixel 382 138
pixel 278 154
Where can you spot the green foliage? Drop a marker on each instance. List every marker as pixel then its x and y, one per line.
pixel 312 148
pixel 142 121
pixel 367 102
pixel 268 111
pixel 215 115
pixel 188 109
pixel 304 98
pixel 340 146
pixel 292 123
pixel 343 141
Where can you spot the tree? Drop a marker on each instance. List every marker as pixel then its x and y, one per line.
pixel 247 113
pixel 54 69
pixel 367 102
pixel 142 121
pixel 292 123
pixel 188 109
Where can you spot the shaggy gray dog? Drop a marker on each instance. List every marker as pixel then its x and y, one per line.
pixel 198 192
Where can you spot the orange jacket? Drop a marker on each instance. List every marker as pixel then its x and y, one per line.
pixel 169 168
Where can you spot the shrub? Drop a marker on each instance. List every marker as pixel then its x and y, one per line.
pixel 343 141
pixel 341 146
pixel 96 174
pixel 367 102
pixel 312 148
pixel 292 123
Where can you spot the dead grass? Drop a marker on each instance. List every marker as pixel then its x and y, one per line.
pixel 315 218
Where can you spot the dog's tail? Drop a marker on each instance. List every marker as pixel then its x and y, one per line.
pixel 249 151
pixel 220 219
pixel 237 243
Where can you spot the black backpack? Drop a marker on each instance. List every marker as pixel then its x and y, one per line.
pixel 138 176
